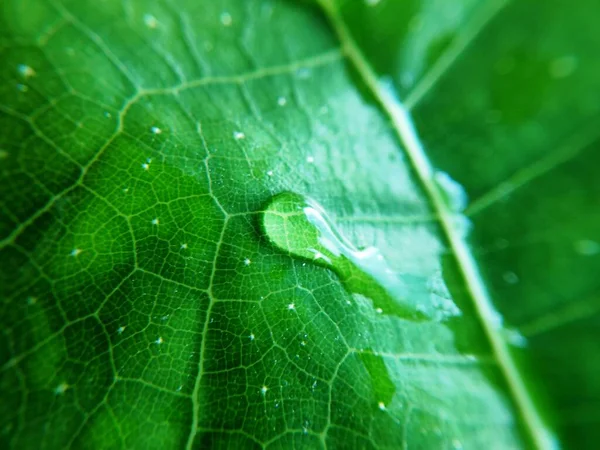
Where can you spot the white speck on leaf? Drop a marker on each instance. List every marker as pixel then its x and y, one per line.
pixel 75 252
pixel 120 329
pixel 155 221
pixel 270 173
pixel 184 246
pixel 291 306
pixel 159 340
pixel 247 261
pixel 381 406
pixel 156 130
pixel 310 159
pixel 281 101
pixel 237 135
pixel 150 21
pixel 226 18
pixel 251 336
pixel 61 388
pixel 379 310
pixel 25 71
pixel 263 390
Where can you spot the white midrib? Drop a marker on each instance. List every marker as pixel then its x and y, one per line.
pixel 541 436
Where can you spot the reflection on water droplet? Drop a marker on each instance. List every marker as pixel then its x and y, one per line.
pixel 301 227
pixel 454 194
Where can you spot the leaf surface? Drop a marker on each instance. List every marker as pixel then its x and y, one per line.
pixel 143 306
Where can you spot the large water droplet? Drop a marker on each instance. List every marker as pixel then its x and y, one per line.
pixel 300 227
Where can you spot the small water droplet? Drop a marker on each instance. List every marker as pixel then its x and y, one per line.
pixel 510 277
pixel 226 18
pixel 300 227
pixel 587 247
pixel 25 71
pixel 150 21
pixel 454 194
pixel 304 72
pixel 563 67
pixel 514 337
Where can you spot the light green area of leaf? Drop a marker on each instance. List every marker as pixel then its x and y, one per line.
pixel 144 306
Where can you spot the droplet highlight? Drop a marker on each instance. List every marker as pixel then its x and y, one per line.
pixel 300 226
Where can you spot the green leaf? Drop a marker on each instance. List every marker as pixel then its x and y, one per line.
pixel 151 297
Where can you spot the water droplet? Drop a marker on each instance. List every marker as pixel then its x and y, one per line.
pixel 150 21
pixel 514 337
pixel 304 72
pixel 586 247
pixel 61 388
pixel 25 71
pixel 510 277
pixel 563 67
pixel 226 18
pixel 300 227
pixel 453 193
